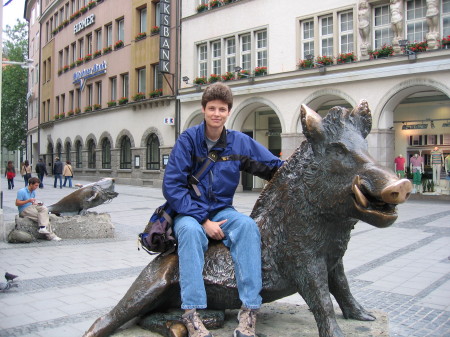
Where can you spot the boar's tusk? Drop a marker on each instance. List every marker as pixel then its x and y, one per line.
pixel 360 198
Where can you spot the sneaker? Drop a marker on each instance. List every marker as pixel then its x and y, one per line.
pixel 194 324
pixel 247 323
pixel 43 230
pixel 56 238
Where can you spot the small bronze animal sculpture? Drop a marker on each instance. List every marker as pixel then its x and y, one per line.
pixel 305 215
pixel 86 197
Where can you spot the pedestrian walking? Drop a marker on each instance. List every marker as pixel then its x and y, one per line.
pixel 10 173
pixel 57 172
pixel 68 173
pixel 26 171
pixel 41 169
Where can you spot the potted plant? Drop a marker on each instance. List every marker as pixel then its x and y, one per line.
pixel 111 103
pixel 79 61
pixel 305 64
pixel 140 36
pixel 445 42
pixel 97 53
pixel 88 57
pixel 107 50
pixel 91 4
pixel 70 113
pixel 72 65
pixel 200 80
pixel 118 44
pixel 56 117
pixel 60 71
pixel 346 58
pixel 88 108
pixel 324 60
pixel 77 111
pixel 243 74
pixel 260 71
pixel 418 47
pixel 62 115
pixel 65 22
pixel 213 78
pixel 83 9
pixel 155 30
pixel 202 8
pixel 97 106
pixel 155 93
pixel 123 100
pixel 139 96
pixel 228 76
pixel 214 4
pixel 384 51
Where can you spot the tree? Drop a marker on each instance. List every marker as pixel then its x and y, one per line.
pixel 14 87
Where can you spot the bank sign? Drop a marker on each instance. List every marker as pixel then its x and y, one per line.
pixel 164 37
pixel 81 76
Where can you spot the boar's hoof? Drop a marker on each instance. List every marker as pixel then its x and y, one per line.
pixel 379 211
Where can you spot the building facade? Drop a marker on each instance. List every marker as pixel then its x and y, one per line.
pixel 101 101
pixel 274 55
pixel 337 53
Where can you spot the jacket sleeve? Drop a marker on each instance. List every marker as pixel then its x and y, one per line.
pixel 175 183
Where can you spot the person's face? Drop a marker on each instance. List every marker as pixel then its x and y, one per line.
pixel 216 114
pixel 33 186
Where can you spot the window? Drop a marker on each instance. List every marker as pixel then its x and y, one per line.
pixel 157 14
pixel 91 154
pixel 98 35
pixel 78 154
pixel 44 73
pixel 73 55
pixel 68 150
pixel 81 48
pixel 445 17
pixel 125 153
pixel 216 58
pixel 89 46
pixel 202 59
pixel 89 95
pixel 382 26
pixel 326 36
pixel 113 85
pixel 261 49
pixel 106 154
pixel 143 20
pixel 141 80
pixel 230 54
pixel 157 77
pixel 49 69
pixel 109 35
pixel 59 150
pixel 121 30
pixel 78 98
pixel 246 49
pixel 152 152
pixel 308 38
pixel 66 56
pixel 98 92
pixel 57 105
pixel 346 32
pixel 71 100
pixel 63 102
pixel 60 59
pixel 416 25
pixel 125 85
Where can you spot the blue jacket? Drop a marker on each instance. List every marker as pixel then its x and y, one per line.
pixel 237 152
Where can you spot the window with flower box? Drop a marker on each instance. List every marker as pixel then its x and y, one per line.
pixel 89 45
pixel 125 84
pixel 81 48
pixel 445 17
pixel 78 98
pixel 261 48
pixel 143 20
pixel 416 25
pixel 216 64
pixel 98 89
pixel 157 77
pixel 346 32
pixel 141 85
pixel 307 31
pixel 109 35
pixel 382 29
pixel 326 36
pixel 121 30
pixel 89 94
pixel 98 37
pixel 230 54
pixel 202 60
pixel 157 13
pixel 246 52
pixel 113 88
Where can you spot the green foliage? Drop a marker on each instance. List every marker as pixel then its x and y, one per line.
pixel 14 87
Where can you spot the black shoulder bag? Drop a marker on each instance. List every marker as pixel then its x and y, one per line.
pixel 158 237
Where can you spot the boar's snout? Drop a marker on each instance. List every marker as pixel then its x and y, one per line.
pixel 397 192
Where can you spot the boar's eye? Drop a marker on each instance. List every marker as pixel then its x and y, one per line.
pixel 337 150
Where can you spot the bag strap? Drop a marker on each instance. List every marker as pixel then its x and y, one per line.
pixel 207 165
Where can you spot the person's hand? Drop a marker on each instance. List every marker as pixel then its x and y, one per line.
pixel 33 201
pixel 213 230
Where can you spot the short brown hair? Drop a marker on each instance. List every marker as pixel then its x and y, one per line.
pixel 218 91
pixel 34 180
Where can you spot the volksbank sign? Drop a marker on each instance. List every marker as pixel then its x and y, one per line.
pixel 164 37
pixel 80 77
pixel 86 22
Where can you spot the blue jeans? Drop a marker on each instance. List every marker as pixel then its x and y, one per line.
pixel 241 236
pixel 69 178
pixel 58 176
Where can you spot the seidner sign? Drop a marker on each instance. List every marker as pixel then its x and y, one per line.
pixel 86 22
pixel 164 37
pixel 80 77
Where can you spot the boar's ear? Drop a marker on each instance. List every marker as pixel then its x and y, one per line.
pixel 362 112
pixel 312 123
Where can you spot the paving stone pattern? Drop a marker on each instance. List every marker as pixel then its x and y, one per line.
pixel 403 270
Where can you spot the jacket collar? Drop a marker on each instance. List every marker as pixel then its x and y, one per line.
pixel 222 142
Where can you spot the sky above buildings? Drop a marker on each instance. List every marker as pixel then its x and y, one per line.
pixel 12 12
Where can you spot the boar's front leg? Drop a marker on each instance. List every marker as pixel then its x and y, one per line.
pixel 313 287
pixel 145 294
pixel 341 291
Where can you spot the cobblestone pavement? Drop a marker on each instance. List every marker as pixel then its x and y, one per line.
pixel 403 270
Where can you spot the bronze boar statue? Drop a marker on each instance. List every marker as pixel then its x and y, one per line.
pixel 305 215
